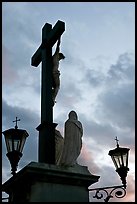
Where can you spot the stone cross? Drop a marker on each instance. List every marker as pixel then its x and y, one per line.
pixel 47 127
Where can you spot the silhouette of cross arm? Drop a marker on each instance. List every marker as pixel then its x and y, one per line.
pixel 48 39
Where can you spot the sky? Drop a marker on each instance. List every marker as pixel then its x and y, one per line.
pixel 97 80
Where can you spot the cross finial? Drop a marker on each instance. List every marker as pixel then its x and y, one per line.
pixel 117 141
pixel 16 122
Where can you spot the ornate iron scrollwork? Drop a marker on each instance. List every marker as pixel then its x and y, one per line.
pixel 117 191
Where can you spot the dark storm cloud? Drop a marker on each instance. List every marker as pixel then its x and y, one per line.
pixel 102 133
pixel 28 118
pixel 115 104
pixel 117 101
pixel 119 105
pixel 123 69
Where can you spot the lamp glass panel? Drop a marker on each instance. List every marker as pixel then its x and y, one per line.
pixel 16 145
pixel 113 159
pixel 22 143
pixel 8 144
pixel 118 161
pixel 125 159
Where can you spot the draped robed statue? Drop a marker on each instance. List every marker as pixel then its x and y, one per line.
pixel 73 132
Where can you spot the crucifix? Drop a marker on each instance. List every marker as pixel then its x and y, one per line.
pixel 47 127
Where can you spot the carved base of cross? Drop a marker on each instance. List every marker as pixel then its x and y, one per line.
pixel 46 124
pixel 47 139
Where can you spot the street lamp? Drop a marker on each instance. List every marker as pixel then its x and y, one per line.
pixel 15 140
pixel 119 157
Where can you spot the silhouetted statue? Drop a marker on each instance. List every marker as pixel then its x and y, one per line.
pixel 73 133
pixel 56 73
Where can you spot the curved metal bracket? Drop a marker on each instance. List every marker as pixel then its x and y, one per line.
pixel 117 191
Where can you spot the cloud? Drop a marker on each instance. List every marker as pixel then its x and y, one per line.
pixel 124 68
pixel 118 106
pixel 130 189
pixel 117 101
pixel 9 75
pixel 86 159
pixel 94 78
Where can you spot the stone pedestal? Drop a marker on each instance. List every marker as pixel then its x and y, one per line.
pixel 40 182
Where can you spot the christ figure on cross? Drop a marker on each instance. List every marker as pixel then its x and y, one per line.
pixel 55 72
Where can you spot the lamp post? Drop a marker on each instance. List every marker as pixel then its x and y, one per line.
pixel 119 157
pixel 15 140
